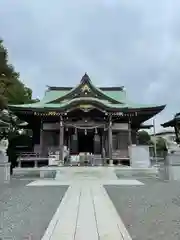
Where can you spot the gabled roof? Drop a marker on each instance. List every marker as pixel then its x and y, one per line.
pixel 110 98
pixel 113 94
pixel 57 92
pixel 86 89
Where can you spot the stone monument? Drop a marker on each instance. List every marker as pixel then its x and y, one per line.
pixel 139 156
pixel 4 164
pixel 172 161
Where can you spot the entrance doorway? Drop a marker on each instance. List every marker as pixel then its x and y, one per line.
pixel 85 142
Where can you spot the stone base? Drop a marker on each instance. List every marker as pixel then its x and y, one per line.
pixel 172 159
pixel 4 172
pixel 60 164
pixel 47 173
pixel 111 163
pixel 171 168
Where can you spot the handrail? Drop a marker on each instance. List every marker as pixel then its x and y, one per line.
pixel 34 158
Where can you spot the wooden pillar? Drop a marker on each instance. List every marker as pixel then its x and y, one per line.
pixel 129 133
pixel 103 147
pixel 69 141
pixel 176 128
pixel 97 144
pixel 41 138
pixel 102 142
pixel 61 139
pixel 134 136
pixel 110 138
pixel 118 140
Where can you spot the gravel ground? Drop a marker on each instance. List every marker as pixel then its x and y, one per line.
pixel 149 212
pixel 26 211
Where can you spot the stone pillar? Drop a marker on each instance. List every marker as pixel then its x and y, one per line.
pixel 110 140
pixel 4 164
pixel 61 139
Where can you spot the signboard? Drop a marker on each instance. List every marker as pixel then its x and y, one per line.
pixel 120 126
pixel 51 126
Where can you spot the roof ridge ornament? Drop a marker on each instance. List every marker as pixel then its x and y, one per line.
pixel 85 78
pixel 85 88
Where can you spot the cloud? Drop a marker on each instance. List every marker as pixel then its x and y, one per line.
pixel 118 42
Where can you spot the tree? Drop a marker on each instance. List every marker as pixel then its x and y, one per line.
pixel 144 138
pixel 12 90
pixel 161 144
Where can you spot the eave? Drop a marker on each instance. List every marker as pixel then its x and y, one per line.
pixel 147 126
pixel 93 101
pixel 141 114
pixel 170 123
pixel 4 124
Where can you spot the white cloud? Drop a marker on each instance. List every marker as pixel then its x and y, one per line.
pixel 131 43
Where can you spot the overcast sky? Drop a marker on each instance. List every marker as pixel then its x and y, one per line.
pixel 134 43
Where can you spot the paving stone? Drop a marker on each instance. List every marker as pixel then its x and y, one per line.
pixel 27 211
pixel 151 211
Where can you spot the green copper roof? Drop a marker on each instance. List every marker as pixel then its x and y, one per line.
pixel 116 95
pixel 52 95
pixel 61 98
pixel 89 100
pixel 68 102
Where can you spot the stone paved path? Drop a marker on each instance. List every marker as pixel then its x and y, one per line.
pixel 86 211
pixel 150 211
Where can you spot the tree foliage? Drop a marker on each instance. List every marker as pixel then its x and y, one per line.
pixel 144 138
pixel 12 90
pixel 161 144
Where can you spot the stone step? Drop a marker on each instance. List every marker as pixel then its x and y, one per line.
pixel 99 173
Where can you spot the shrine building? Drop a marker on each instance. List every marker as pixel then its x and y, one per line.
pixel 85 118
